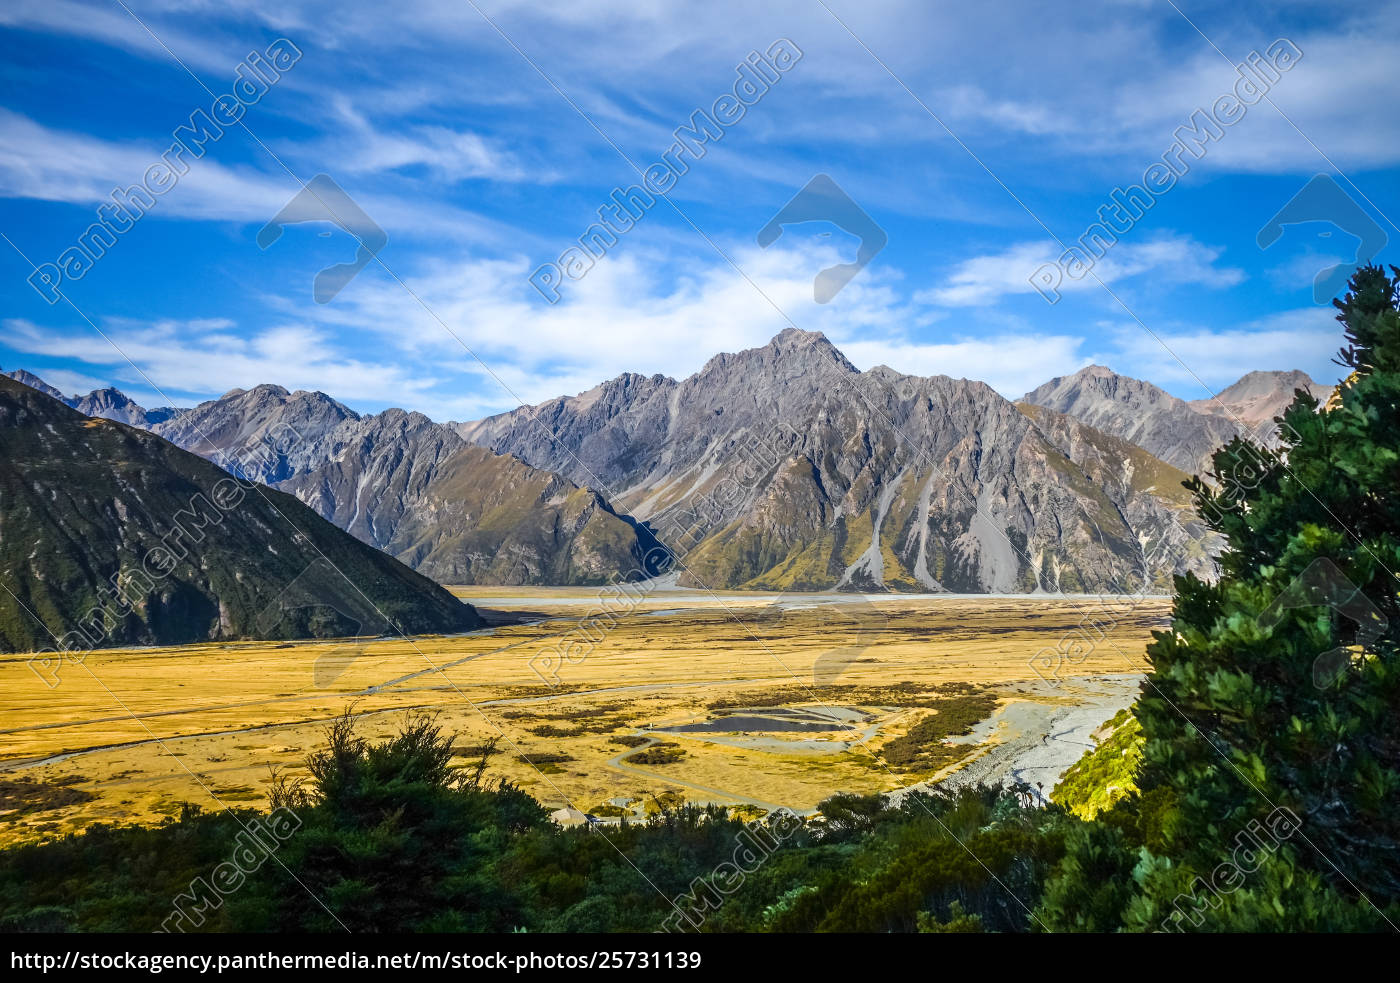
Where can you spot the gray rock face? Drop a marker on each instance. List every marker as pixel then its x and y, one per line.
pixel 486 518
pixel 112 404
pixel 613 422
pixel 265 433
pixel 1139 412
pixel 785 467
pixel 366 473
pixel 1150 493
pixel 1260 396
pixel 414 488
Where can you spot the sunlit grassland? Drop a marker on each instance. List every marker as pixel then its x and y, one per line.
pixel 149 729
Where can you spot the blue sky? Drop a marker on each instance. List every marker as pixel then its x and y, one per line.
pixel 965 131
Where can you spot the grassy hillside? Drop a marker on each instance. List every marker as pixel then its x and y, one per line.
pixel 197 554
pixel 1106 774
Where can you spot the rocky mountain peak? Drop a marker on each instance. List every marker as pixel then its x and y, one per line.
pixel 1260 396
pixel 1140 413
pixel 810 347
pixel 111 404
pixel 27 378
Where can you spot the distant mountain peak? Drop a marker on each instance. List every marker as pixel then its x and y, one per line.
pixel 796 340
pixel 1259 396
pixel 1087 375
pixel 111 394
pixel 1287 375
pixel 1097 371
pixel 1139 412
pixel 791 335
pixel 27 378
pixel 111 404
pixel 790 349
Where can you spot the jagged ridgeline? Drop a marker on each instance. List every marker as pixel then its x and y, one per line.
pixel 199 556
pixel 781 467
pixel 863 480
pixel 415 489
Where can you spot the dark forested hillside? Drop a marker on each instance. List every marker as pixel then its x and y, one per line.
pixel 196 553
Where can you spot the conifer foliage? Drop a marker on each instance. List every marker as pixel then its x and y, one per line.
pixel 1270 779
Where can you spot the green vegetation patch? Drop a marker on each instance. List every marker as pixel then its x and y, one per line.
pixel 628 740
pixel 24 796
pixel 550 730
pixel 923 747
pixel 665 753
pixel 1106 774
pixel 544 758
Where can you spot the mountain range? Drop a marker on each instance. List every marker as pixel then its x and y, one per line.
pixel 1183 434
pixel 416 489
pixel 780 467
pixel 868 480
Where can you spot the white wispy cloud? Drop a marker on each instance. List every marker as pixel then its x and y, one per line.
pixel 448 154
pixel 1171 258
pixel 39 162
pixel 111 24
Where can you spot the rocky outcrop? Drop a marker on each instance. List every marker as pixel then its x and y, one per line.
pixel 1150 493
pixel 265 433
pixel 460 514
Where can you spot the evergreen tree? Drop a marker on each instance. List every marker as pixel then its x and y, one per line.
pixel 393 839
pixel 1270 779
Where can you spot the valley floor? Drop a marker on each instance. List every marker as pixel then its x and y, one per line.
pixel 738 698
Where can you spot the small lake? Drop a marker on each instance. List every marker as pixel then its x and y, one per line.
pixel 754 725
pixel 775 720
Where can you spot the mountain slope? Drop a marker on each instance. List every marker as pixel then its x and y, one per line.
pixel 460 514
pixel 1148 491
pixel 1258 397
pixel 111 404
pixel 368 473
pixel 26 378
pixel 784 467
pixel 1165 426
pixel 197 556
pixel 492 519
